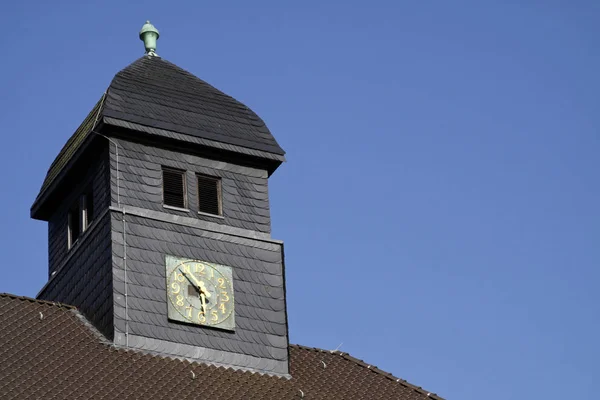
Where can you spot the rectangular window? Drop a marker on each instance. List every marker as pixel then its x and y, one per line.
pixel 209 195
pixel 87 210
pixel 174 188
pixel 79 218
pixel 73 225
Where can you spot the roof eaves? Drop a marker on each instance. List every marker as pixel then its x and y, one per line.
pixel 194 139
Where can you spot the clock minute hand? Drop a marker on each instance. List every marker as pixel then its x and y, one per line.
pixel 199 284
pixel 188 277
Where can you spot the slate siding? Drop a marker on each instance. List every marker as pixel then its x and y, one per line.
pixel 83 273
pixel 245 190
pixel 260 339
pixel 95 178
pixel 85 279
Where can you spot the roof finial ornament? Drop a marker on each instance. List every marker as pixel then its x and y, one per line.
pixel 149 34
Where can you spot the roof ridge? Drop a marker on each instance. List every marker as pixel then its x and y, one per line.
pixel 95 112
pixel 34 300
pixel 373 368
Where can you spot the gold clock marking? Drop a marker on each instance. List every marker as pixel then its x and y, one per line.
pixel 175 287
pixel 199 269
pixel 201 317
pixel 221 283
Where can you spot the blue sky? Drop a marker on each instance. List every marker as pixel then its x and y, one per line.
pixel 442 158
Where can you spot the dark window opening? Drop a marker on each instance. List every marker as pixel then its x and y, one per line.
pixel 209 195
pixel 174 188
pixel 80 217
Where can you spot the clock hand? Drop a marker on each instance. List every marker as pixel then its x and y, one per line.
pixel 204 289
pixel 204 294
pixel 188 278
pixel 203 299
pixel 199 284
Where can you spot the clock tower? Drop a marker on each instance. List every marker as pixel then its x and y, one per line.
pixel 159 222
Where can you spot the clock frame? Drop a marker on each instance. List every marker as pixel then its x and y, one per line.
pixel 199 293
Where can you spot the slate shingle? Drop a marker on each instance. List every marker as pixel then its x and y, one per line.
pixel 49 350
pixel 154 92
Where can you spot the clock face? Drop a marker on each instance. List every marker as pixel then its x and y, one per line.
pixel 199 292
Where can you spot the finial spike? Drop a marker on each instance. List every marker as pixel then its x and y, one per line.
pixel 149 35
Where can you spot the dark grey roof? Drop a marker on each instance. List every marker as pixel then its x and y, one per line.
pixel 154 92
pixel 157 97
pixel 69 149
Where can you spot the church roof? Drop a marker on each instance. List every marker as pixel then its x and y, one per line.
pixel 49 350
pixel 157 97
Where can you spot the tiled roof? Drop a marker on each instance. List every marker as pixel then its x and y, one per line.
pixel 50 351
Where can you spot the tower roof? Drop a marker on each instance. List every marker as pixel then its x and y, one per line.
pixel 156 93
pixel 157 97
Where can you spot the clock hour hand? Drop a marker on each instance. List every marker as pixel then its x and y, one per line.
pixel 203 300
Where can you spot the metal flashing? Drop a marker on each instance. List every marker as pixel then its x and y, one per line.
pixel 204 355
pixel 196 223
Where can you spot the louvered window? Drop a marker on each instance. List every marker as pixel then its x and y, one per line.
pixel 209 195
pixel 174 188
